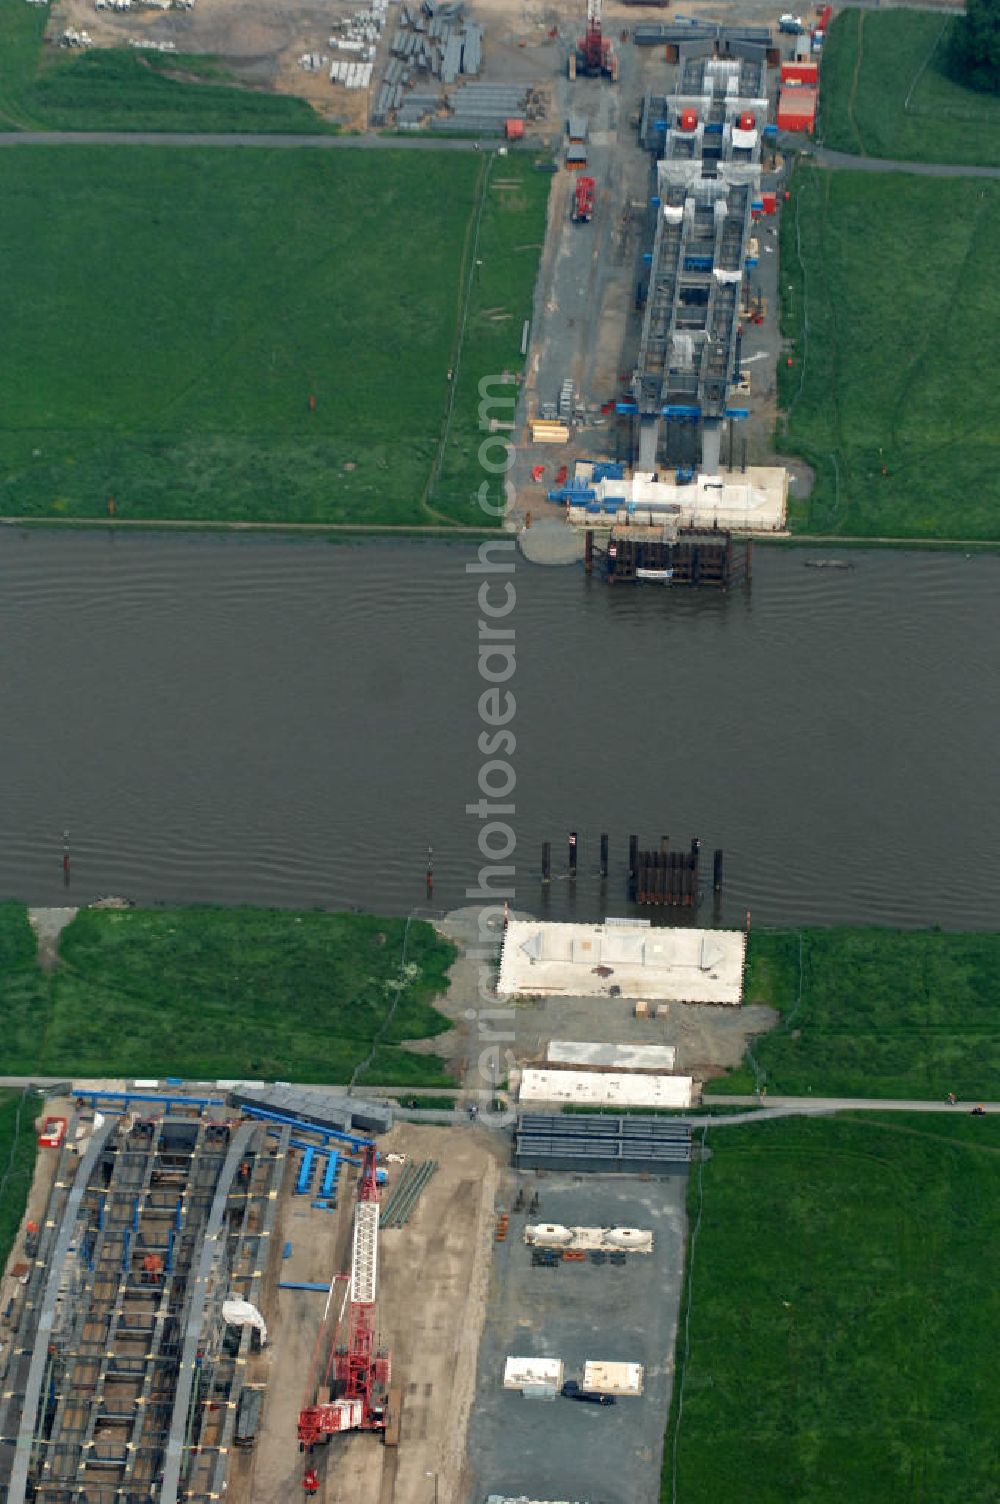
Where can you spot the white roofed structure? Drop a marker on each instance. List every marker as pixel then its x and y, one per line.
pixel 605 1089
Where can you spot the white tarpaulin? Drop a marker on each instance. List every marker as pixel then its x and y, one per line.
pixel 236 1312
pixel 744 140
pixel 724 276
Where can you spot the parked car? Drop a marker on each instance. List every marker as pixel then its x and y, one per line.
pixel 791 25
pixel 572 1391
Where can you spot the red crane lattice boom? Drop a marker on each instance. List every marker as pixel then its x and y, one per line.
pixel 593 41
pixel 360 1373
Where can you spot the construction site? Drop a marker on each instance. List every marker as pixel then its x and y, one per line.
pixel 217 1300
pixel 647 407
pixel 211 1297
pixel 650 395
pixel 270 1292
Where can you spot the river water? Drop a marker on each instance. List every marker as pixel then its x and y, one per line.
pixel 269 721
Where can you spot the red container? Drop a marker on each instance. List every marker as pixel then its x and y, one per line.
pixel 747 122
pixel 797 108
pixel 52 1134
pixel 770 203
pixel 800 73
pixel 826 15
pixel 514 130
pixel 689 120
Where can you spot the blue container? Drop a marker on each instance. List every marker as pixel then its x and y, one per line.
pixel 331 1172
pixel 304 1177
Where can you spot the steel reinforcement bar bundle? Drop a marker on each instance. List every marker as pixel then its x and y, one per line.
pixel 399 1208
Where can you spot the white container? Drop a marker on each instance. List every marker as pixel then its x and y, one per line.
pixel 533 1373
pixel 623 1379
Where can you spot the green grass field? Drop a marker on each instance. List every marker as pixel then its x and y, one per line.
pixel 49 88
pixel 208 993
pixel 887 304
pixel 875 1013
pixel 886 92
pixel 502 277
pixel 169 314
pixel 17 1162
pixel 843 1316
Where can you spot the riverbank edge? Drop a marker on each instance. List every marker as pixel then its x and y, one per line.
pixel 334 531
pixel 347 532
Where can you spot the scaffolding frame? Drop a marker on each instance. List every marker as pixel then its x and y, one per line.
pixel 707 181
pixel 124 1381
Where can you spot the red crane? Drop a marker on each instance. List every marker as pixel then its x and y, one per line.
pixel 594 54
pixel 356 1377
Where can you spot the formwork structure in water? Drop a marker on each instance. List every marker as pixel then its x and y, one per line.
pixel 663 876
pixel 667 556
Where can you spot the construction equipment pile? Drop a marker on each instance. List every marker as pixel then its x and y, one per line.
pixel 433 41
pixel 358 37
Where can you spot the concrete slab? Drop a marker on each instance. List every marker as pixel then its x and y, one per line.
pixel 588 960
pixel 611 1057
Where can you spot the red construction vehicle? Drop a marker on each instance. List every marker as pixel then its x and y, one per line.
pixel 583 201
pixel 594 53
pixel 355 1377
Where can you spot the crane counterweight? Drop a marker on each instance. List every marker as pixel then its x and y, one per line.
pixel 593 54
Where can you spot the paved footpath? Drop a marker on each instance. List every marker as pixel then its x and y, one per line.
pixel 769 1107
pixel 786 1107
pixel 846 159
pixel 371 140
